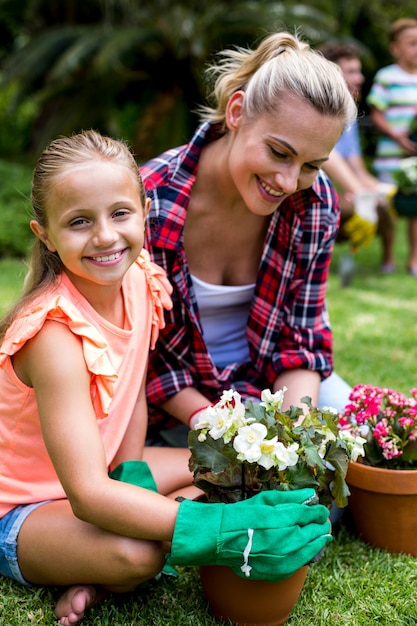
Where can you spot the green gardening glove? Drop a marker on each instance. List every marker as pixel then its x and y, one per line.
pixel 136 473
pixel 267 537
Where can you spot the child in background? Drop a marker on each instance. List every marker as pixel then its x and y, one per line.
pixel 79 501
pixel 393 102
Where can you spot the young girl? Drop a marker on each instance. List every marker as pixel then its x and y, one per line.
pixel 72 405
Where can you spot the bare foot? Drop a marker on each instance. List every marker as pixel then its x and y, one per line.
pixel 73 603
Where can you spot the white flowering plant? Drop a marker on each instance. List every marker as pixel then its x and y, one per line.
pixel 406 176
pixel 238 450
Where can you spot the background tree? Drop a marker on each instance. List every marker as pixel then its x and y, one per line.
pixel 131 68
pixel 135 68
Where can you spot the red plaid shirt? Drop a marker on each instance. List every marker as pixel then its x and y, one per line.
pixel 288 325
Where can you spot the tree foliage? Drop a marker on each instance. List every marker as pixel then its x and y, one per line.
pixel 135 68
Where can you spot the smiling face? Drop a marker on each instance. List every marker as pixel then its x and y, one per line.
pixel 276 154
pixel 96 223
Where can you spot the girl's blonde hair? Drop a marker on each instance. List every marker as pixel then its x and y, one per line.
pixel 58 158
pixel 281 64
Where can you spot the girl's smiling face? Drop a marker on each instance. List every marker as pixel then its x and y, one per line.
pixel 276 154
pixel 96 222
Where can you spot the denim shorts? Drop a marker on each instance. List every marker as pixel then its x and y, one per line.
pixel 10 526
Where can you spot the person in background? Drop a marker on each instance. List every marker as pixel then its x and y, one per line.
pixel 360 192
pixel 83 504
pixel 393 107
pixel 244 221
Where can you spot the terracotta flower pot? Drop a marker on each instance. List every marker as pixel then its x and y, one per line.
pixel 248 602
pixel 383 504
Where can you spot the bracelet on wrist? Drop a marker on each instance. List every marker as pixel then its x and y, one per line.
pixel 194 413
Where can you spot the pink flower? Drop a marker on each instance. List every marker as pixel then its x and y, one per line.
pixel 344 423
pixel 406 422
pixel 390 451
pixel 387 418
pixel 381 429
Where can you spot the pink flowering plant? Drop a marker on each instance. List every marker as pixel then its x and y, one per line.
pixel 387 419
pixel 238 450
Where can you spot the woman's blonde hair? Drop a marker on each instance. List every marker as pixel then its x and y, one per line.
pixel 60 156
pixel 281 64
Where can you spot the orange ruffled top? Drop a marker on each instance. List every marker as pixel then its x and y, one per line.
pixel 115 357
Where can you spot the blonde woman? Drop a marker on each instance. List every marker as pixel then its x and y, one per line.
pixel 243 220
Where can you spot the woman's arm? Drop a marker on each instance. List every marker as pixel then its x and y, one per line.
pixel 299 383
pixel 62 386
pixel 184 404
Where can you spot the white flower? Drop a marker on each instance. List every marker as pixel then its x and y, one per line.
pixel 274 453
pixel 354 443
pixel 272 401
pixel 328 436
pixel 224 418
pixel 218 421
pixel 329 409
pixel 287 457
pixel 268 452
pixel 248 442
pixel 406 175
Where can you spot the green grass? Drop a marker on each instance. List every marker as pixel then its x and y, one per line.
pixel 12 274
pixel 353 585
pixel 15 233
pixel 375 330
pixel 374 319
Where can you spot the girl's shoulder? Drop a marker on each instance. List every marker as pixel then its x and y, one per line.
pixel 55 305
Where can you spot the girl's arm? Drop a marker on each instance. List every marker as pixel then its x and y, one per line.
pixel 53 363
pixel 169 466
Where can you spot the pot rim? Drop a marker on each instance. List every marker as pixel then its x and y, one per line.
pixel 382 480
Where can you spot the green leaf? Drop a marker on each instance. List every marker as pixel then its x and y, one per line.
pixel 230 478
pixel 311 454
pixel 300 476
pixel 212 454
pixel 336 455
pixel 410 452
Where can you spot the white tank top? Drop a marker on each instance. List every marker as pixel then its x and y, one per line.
pixel 224 312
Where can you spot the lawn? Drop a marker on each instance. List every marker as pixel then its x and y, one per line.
pixel 375 330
